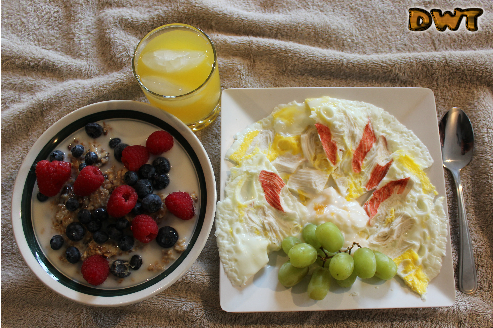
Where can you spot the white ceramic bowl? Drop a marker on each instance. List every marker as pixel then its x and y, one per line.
pixel 25 189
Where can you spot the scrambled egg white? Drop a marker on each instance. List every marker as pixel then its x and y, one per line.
pixel 287 166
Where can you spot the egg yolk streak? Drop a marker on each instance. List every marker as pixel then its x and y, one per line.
pixel 416 279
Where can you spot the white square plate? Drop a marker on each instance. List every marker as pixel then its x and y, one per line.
pixel 413 107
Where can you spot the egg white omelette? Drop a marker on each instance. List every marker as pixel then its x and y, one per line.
pixel 329 159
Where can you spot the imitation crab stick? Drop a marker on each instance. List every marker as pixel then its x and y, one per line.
pixel 272 185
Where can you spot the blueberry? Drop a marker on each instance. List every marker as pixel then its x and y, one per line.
pixel 94 130
pixel 57 155
pixel 67 189
pixel 147 171
pixel 130 178
pixel 84 216
pixel 161 164
pixel 120 268
pixel 118 151
pixel 91 158
pixel 138 209
pixel 114 142
pixel 41 197
pixel 77 151
pixel 143 187
pixel 126 243
pixel 94 225
pixel 72 254
pixel 167 237
pixel 72 204
pixel 135 262
pixel 81 166
pixel 152 203
pixel 160 181
pixel 113 232
pixel 56 242
pixel 75 231
pixel 100 237
pixel 122 224
pixel 100 214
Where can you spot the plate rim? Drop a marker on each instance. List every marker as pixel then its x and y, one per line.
pixel 228 94
pixel 209 213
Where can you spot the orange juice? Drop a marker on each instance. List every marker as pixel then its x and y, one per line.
pixel 176 68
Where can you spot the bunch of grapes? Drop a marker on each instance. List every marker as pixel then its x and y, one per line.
pixel 322 247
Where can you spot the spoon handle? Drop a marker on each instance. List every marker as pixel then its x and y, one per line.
pixel 467 268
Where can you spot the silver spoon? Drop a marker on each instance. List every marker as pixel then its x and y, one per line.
pixel 457 141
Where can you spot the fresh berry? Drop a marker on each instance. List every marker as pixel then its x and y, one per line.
pixel 147 171
pixel 120 268
pixel 72 254
pixel 72 204
pixel 114 142
pixel 130 178
pixel 126 243
pixel 51 176
pixel 100 237
pixel 135 262
pixel 100 214
pixel 167 237
pixel 159 142
pixel 119 150
pixel 122 200
pixel 161 164
pixel 94 130
pixel 94 226
pixel 152 203
pixel 77 151
pixel 133 157
pixel 138 209
pixel 81 166
pixel 143 187
pixel 144 228
pixel 122 224
pixel 75 231
pixel 84 216
pixel 160 181
pixel 113 232
pixel 91 158
pixel 57 155
pixel 56 242
pixel 88 181
pixel 180 204
pixel 95 269
pixel 42 198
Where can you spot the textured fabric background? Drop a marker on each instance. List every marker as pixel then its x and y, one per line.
pixel 60 55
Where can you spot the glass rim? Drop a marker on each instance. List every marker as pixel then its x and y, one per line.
pixel 157 29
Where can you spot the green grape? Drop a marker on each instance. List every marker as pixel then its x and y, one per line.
pixel 289 275
pixel 341 266
pixel 309 235
pixel 329 235
pixel 386 267
pixel 326 255
pixel 364 263
pixel 319 284
pixel 348 282
pixel 289 242
pixel 302 255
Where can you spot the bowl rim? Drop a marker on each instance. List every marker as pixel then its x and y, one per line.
pixel 34 260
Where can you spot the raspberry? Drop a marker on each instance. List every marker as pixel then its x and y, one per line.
pixel 180 204
pixel 52 176
pixel 159 142
pixel 144 228
pixel 88 181
pixel 133 157
pixel 121 201
pixel 95 269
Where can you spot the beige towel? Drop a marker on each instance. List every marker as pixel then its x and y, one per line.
pixel 58 56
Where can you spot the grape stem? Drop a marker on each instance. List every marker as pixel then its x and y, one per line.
pixel 327 256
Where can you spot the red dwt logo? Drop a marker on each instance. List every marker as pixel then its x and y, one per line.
pixel 421 20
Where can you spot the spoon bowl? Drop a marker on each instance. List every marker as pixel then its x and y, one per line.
pixel 457 143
